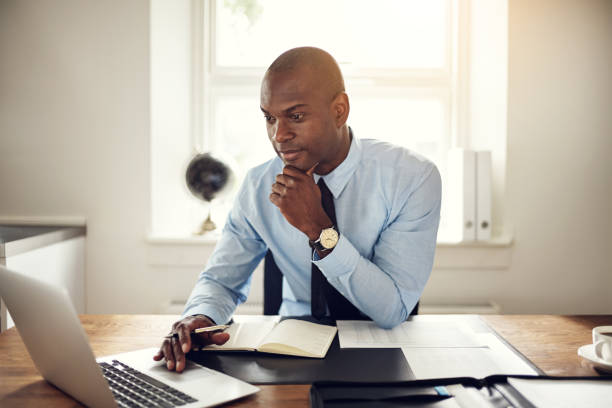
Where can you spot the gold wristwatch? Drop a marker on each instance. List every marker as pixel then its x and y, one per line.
pixel 327 240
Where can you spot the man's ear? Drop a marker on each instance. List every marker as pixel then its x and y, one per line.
pixel 340 109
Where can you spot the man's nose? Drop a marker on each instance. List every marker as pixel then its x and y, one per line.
pixel 282 132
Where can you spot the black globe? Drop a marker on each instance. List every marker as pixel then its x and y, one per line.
pixel 207 176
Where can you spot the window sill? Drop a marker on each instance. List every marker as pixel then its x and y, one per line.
pixel 494 254
pixel 207 239
pixel 502 241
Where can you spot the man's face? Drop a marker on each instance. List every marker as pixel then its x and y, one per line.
pixel 299 119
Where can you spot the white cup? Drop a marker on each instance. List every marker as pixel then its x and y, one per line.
pixel 602 342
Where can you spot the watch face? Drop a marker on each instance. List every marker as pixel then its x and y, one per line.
pixel 329 238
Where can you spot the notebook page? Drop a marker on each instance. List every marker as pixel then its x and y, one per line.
pixel 312 338
pixel 246 335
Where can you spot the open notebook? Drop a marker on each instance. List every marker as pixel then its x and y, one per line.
pixel 290 337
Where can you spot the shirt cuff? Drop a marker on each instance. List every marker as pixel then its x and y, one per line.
pixel 206 310
pixel 342 260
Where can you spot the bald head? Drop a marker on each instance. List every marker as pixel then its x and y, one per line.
pixel 319 63
pixel 305 107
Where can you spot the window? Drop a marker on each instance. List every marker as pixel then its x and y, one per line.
pixel 396 57
pixel 406 65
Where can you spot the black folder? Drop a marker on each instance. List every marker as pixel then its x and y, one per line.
pixel 494 392
pixel 349 364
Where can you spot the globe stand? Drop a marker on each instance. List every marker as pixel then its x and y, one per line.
pixel 207 226
pixel 208 178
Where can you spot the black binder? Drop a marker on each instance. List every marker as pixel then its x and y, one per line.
pixel 353 364
pixel 495 392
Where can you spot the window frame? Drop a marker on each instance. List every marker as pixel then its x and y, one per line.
pixel 181 74
pixel 208 77
pixel 450 84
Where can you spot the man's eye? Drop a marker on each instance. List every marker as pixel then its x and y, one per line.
pixel 269 118
pixel 297 116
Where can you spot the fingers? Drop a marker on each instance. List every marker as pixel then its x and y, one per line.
pixel 173 349
pixel 291 180
pixel 294 172
pixel 213 338
pixel 179 356
pixel 159 355
pixel 184 337
pixel 275 199
pixel 285 180
pixel 298 173
pixel 292 175
pixel 310 171
pixel 166 351
pixel 288 179
pixel 279 189
pixel 219 338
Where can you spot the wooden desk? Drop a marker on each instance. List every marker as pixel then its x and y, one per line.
pixel 550 342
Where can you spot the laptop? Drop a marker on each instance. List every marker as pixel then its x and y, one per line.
pixel 52 333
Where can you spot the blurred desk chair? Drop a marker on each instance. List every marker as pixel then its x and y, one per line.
pixel 273 287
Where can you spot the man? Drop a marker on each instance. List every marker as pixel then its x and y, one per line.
pixel 351 222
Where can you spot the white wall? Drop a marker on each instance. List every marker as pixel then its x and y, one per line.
pixel 74 140
pixel 560 142
pixel 559 172
pixel 74 132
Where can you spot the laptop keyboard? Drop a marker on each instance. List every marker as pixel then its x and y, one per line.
pixel 132 388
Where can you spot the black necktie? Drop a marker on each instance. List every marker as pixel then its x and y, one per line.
pixel 322 293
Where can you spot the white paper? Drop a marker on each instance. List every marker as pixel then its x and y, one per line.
pixel 496 358
pixel 565 394
pixel 365 334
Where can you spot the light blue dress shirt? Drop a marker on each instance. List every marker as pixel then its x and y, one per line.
pixel 387 202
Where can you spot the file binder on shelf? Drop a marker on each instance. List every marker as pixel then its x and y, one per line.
pixel 497 391
pixel 483 195
pixel 468 195
pixel 461 195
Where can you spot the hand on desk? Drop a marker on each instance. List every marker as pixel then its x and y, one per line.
pixel 174 349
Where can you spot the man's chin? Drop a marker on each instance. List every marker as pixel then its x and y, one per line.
pixel 301 163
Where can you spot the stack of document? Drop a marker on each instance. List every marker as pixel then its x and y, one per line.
pixel 439 346
pixel 414 333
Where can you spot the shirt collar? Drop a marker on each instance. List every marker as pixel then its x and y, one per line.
pixel 338 178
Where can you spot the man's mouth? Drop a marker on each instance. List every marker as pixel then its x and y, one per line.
pixel 290 154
